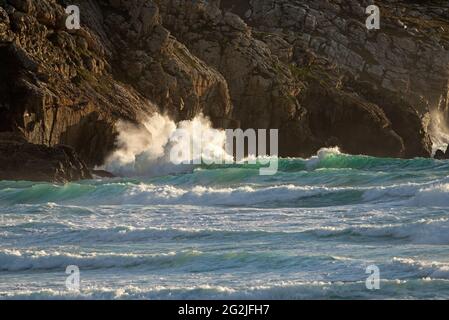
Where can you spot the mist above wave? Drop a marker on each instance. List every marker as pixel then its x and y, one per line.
pixel 145 149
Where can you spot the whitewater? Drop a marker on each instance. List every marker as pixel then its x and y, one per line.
pixel 225 232
pixel 165 231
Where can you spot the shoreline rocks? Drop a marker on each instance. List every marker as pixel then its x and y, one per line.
pixel 21 160
pixel 441 155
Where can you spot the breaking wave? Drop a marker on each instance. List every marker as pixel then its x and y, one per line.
pixel 331 178
pixel 226 232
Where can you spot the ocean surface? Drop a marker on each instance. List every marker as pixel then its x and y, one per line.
pixel 224 232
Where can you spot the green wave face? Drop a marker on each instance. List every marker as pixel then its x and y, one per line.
pixel 330 178
pixel 308 231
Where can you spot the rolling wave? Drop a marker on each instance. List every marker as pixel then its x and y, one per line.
pixel 189 260
pixel 220 232
pixel 434 194
pixel 290 290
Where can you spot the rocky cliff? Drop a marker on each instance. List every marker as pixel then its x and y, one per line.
pixel 308 68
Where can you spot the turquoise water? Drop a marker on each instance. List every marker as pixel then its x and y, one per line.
pixel 225 232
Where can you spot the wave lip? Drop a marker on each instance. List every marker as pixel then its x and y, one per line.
pixel 15 260
pixel 432 194
pixel 430 270
pixel 425 231
pixel 422 232
pixel 436 195
pixel 187 260
pixel 287 290
pixel 330 178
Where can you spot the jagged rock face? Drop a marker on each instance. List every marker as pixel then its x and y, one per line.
pixel 264 91
pixel 56 87
pixel 308 68
pixel 70 87
pixel 266 47
pixel 161 68
pixel 441 155
pixel 406 62
pixel 408 55
pixel 20 160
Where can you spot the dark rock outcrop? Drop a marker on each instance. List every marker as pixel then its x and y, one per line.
pixel 21 160
pixel 441 155
pixel 55 89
